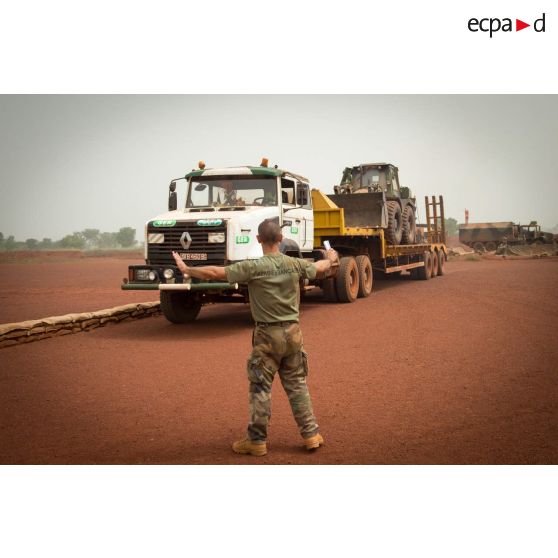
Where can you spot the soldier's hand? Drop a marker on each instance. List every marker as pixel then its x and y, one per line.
pixel 332 256
pixel 180 263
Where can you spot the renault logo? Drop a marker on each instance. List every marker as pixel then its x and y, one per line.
pixel 185 240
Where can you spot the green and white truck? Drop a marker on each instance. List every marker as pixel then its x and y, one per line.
pixel 218 226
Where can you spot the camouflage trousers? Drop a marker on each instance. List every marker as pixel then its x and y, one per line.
pixel 278 348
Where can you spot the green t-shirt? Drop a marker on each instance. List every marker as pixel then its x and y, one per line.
pixel 273 285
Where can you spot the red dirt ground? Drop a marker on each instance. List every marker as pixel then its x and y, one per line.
pixel 459 369
pixel 43 288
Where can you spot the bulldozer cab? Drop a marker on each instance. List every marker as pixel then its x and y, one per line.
pixel 375 177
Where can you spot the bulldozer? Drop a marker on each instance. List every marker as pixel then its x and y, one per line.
pixel 381 201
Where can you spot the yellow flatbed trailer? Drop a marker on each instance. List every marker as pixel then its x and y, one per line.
pixel 424 260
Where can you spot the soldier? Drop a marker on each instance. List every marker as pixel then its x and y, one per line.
pixel 231 195
pixel 274 287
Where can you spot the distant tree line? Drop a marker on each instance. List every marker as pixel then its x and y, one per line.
pixel 452 228
pixel 88 239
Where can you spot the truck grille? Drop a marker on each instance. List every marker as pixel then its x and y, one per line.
pixel 160 254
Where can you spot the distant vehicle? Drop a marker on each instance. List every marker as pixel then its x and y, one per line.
pixel 486 237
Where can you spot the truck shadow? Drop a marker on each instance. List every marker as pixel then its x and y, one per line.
pixel 219 320
pixel 315 297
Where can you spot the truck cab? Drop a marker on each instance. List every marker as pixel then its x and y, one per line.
pixel 218 225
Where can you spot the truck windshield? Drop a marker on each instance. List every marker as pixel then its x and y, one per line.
pixel 227 191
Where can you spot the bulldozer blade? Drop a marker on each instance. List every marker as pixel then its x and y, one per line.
pixel 363 210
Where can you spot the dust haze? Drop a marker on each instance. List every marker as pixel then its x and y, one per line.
pixel 72 162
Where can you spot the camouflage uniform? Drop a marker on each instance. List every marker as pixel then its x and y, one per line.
pixel 274 288
pixel 278 349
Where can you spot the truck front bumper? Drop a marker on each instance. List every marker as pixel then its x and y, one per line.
pixel 179 286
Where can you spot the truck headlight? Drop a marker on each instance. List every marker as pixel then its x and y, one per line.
pixel 168 273
pixel 216 237
pixel 152 276
pixel 142 274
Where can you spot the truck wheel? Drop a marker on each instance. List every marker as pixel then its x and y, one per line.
pixel 435 261
pixel 479 247
pixel 347 282
pixel 409 226
pixel 490 246
pixel 394 229
pixel 424 273
pixel 365 277
pixel 329 289
pixel 441 262
pixel 179 308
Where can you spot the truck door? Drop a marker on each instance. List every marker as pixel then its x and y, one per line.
pixel 292 219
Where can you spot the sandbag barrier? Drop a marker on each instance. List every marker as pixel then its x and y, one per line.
pixel 35 330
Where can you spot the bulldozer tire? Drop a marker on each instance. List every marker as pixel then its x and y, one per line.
pixel 490 246
pixel 441 262
pixel 424 273
pixel 329 290
pixel 479 247
pixel 365 276
pixel 409 226
pixel 394 230
pixel 179 308
pixel 347 282
pixel 435 263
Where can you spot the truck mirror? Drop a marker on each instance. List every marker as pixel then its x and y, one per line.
pixel 302 195
pixel 173 203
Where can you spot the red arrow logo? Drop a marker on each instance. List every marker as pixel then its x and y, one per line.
pixel 519 25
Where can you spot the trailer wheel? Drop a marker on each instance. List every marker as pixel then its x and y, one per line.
pixel 329 290
pixel 347 282
pixel 424 273
pixel 441 262
pixel 394 229
pixel 179 308
pixel 409 226
pixel 434 258
pixel 490 246
pixel 365 277
pixel 479 247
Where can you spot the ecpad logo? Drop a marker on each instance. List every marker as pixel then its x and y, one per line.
pixel 493 25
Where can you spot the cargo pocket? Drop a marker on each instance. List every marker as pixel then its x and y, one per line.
pixel 304 355
pixel 254 368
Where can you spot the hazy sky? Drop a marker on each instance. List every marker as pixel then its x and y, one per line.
pixel 74 162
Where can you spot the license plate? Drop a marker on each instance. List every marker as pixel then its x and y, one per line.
pixel 193 256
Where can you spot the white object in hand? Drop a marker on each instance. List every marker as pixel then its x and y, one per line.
pixel 327 245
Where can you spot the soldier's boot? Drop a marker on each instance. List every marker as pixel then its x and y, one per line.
pixel 247 446
pixel 314 442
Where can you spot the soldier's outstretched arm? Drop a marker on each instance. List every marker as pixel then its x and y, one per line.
pixel 203 272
